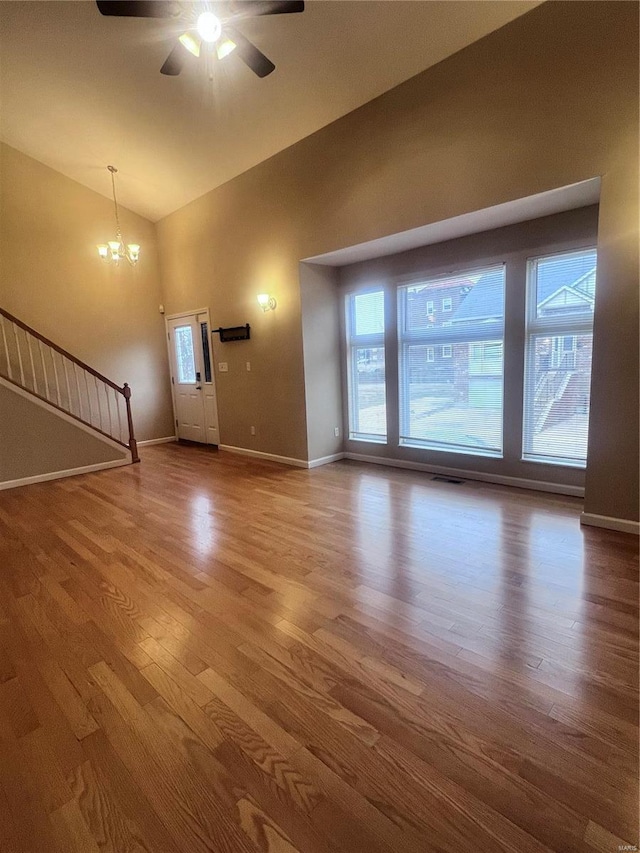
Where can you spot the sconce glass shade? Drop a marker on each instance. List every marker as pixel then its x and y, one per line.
pixel 133 250
pixel 103 251
pixel 266 302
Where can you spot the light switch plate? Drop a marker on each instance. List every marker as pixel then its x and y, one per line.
pixel 223 367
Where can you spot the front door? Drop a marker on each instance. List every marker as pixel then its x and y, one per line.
pixel 193 388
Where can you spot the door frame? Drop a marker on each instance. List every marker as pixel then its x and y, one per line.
pixel 178 316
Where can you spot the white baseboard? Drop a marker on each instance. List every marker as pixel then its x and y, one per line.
pixel 70 472
pixel 325 460
pixel 167 440
pixel 258 454
pixel 499 479
pixel 624 525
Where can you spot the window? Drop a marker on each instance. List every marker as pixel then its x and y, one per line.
pixel 430 354
pixel 206 353
pixel 560 301
pixel 447 304
pixel 185 358
pixel 429 308
pixel 454 405
pixel 366 369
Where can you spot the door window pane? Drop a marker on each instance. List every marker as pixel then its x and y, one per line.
pixel 206 353
pixel 185 358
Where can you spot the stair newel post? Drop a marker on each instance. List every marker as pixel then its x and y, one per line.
pixel 133 446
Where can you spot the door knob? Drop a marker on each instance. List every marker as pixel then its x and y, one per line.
pixel 198 387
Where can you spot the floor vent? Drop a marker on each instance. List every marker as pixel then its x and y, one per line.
pixel 448 480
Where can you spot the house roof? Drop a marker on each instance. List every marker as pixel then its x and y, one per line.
pixel 486 299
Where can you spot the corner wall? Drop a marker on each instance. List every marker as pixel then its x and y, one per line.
pixel 322 359
pixel 52 278
pixel 547 101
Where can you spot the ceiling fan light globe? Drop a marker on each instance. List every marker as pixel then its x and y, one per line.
pixel 209 27
pixel 190 43
pixel 224 47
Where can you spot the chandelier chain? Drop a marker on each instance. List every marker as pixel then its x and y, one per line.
pixel 113 171
pixel 116 249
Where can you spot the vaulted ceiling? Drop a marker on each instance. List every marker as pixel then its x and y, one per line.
pixel 79 90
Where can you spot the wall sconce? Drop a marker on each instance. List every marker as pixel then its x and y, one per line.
pixel 266 302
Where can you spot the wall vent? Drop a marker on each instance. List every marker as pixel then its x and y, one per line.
pixel 448 480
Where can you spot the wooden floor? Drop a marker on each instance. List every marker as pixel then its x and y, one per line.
pixel 207 653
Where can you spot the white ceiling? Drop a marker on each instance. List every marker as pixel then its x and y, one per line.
pixel 79 90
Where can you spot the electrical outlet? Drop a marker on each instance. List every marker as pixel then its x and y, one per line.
pixel 248 365
pixel 252 430
pixel 223 367
pixel 336 431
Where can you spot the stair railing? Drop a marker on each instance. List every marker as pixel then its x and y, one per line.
pixel 34 363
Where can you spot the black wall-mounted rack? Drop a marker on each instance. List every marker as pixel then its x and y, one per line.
pixel 233 333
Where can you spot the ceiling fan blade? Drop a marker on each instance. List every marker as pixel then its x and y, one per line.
pixel 255 8
pixel 250 55
pixel 139 8
pixel 174 63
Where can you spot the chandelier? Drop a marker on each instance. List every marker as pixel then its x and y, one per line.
pixel 115 250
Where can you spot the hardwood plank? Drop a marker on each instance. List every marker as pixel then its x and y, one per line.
pixel 211 653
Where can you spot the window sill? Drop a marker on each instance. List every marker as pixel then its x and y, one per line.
pixel 416 444
pixel 557 463
pixel 368 439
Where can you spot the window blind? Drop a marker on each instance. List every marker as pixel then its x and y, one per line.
pixel 366 366
pixel 558 357
pixel 451 354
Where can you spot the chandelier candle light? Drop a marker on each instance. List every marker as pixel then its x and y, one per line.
pixel 115 250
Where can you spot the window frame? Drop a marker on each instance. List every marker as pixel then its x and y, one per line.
pixel 354 343
pixel 447 305
pixel 437 337
pixel 560 326
pixel 449 348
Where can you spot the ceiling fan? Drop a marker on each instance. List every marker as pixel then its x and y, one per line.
pixel 206 30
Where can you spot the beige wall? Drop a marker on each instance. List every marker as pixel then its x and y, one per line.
pixel 52 279
pixel 322 359
pixel 548 100
pixel 35 440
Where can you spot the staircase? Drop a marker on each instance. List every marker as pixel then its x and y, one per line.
pixel 31 362
pixel 550 391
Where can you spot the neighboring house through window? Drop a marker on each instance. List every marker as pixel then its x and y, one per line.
pixel 366 374
pixel 560 304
